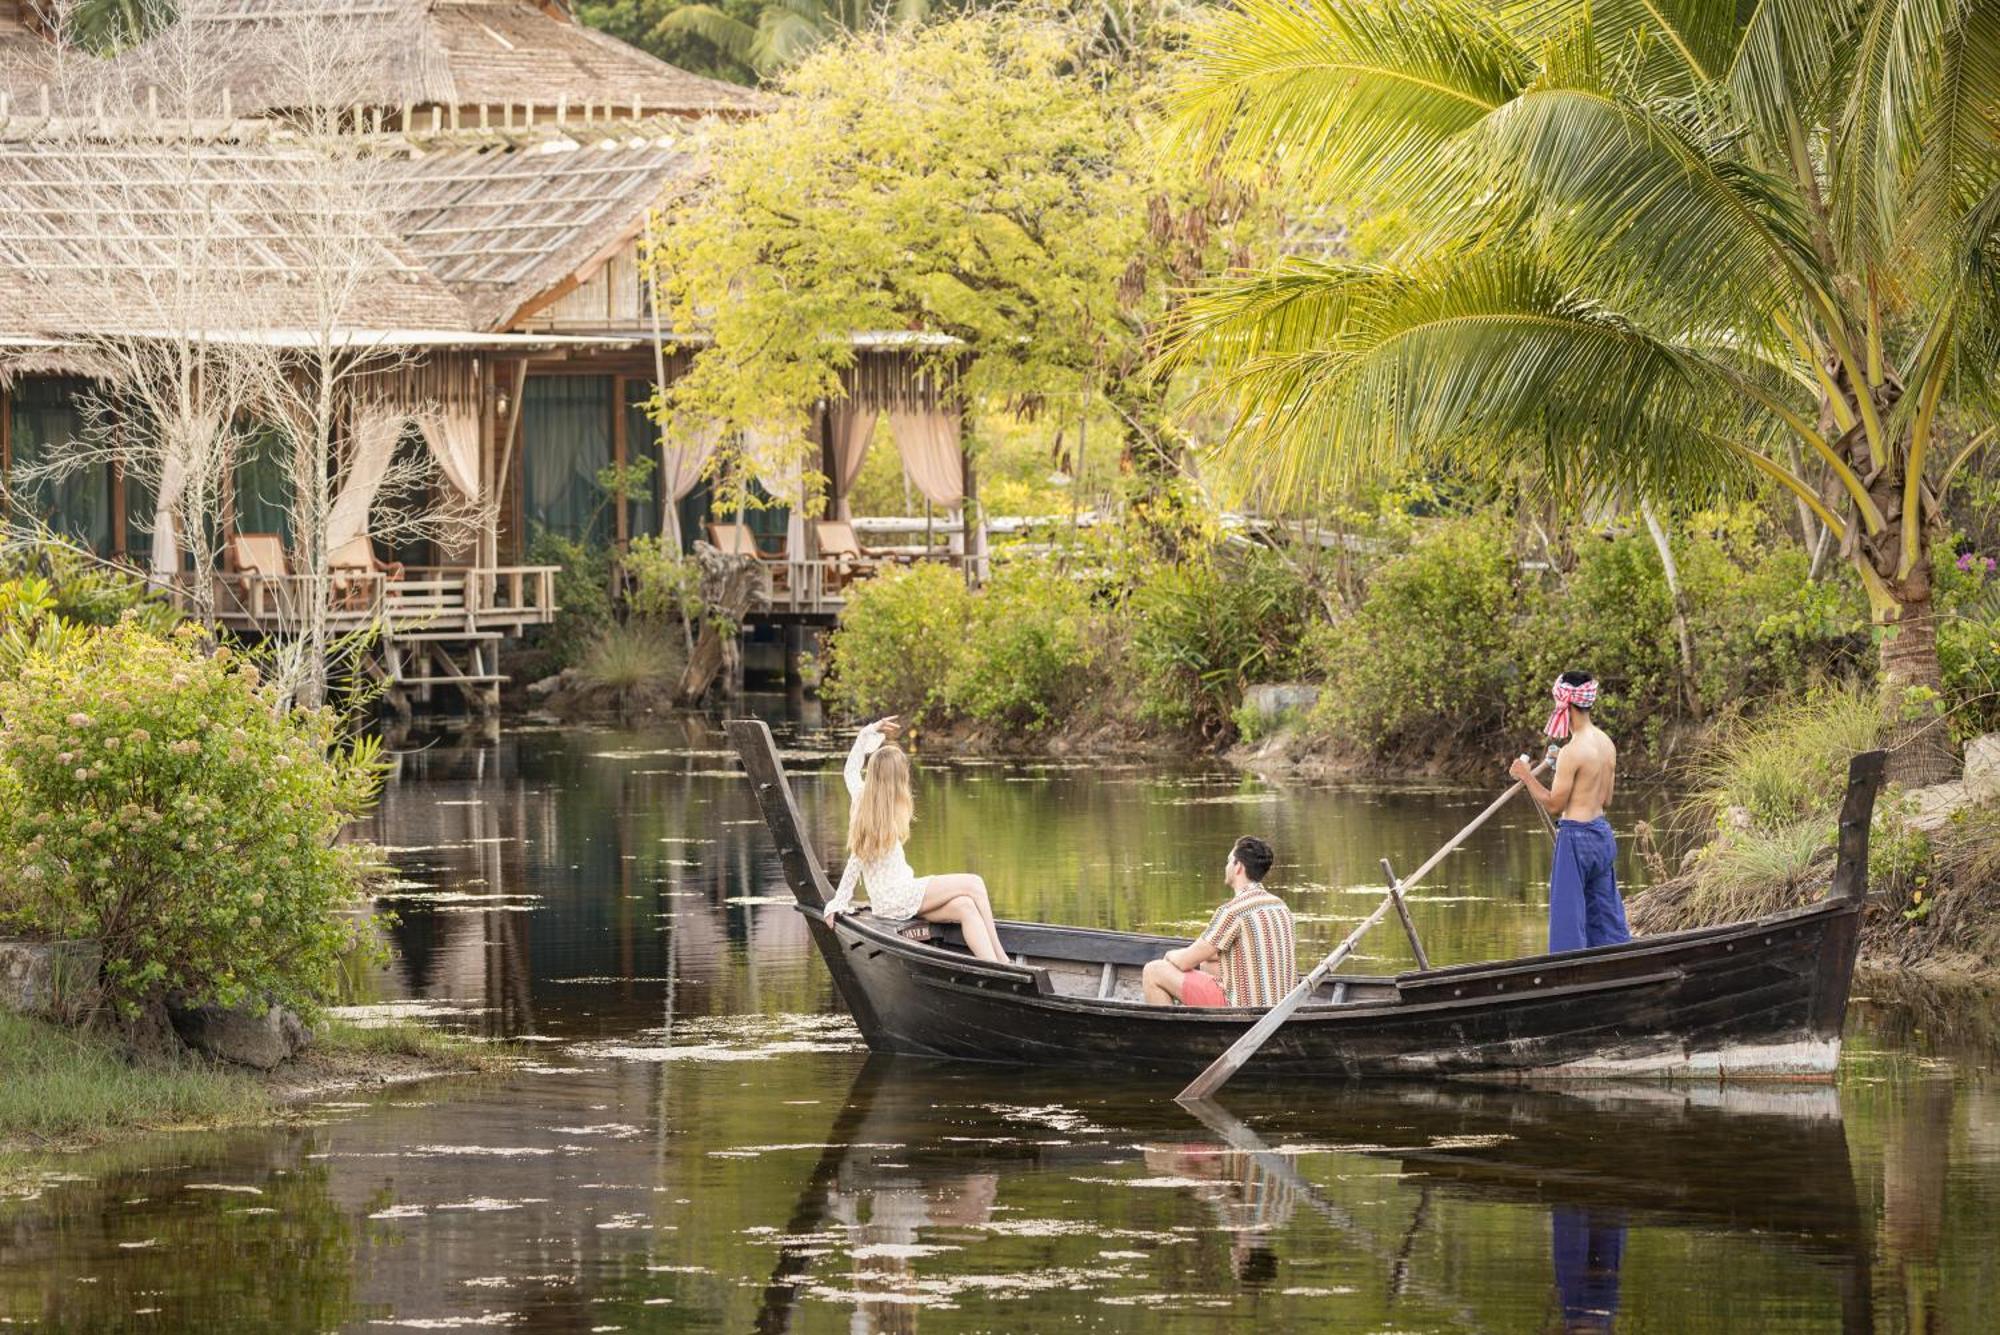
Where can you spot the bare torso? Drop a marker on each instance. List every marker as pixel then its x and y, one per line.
pixel 1586 771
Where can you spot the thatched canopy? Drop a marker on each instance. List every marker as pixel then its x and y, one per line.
pixel 504 221
pixel 112 236
pixel 27 58
pixel 460 53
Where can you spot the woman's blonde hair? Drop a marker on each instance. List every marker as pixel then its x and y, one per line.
pixel 881 816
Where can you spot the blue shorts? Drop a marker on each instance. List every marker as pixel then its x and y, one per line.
pixel 1584 908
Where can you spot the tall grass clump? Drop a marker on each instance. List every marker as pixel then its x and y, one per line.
pixel 61 1084
pixel 1788 765
pixel 631 661
pixel 1766 799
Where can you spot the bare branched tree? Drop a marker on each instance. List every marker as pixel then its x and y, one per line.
pixel 231 286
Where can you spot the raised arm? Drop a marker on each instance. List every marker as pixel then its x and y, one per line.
pixel 866 743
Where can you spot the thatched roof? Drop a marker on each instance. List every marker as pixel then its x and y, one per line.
pixel 462 53
pixel 504 221
pixel 27 58
pixel 106 236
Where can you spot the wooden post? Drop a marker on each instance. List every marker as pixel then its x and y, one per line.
pixel 1857 812
pixel 621 522
pixel 794 638
pixel 1403 912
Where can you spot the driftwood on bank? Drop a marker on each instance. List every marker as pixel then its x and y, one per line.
pixel 730 587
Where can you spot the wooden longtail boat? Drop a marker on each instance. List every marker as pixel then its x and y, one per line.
pixel 1763 999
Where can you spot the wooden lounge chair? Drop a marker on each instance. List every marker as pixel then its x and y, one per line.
pixel 353 565
pixel 843 553
pixel 734 540
pixel 255 565
pixel 738 540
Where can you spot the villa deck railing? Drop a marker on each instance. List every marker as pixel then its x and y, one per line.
pixel 467 600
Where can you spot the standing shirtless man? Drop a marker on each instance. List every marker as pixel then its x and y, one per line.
pixel 1584 908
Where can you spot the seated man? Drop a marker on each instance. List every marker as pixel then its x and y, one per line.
pixel 1250 938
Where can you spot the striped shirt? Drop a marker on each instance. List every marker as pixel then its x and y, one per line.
pixel 1253 935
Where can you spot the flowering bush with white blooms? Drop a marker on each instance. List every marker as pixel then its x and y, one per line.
pixel 155 797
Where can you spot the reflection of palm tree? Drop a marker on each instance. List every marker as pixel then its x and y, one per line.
pixel 785 30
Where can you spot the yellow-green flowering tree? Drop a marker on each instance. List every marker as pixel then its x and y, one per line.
pixel 992 180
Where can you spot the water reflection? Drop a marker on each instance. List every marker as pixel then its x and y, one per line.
pixel 544 881
pixel 698 1141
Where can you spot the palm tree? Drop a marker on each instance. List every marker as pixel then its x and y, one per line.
pixel 1655 246
pixel 784 30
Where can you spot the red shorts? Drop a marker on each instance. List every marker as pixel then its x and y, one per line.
pixel 1201 989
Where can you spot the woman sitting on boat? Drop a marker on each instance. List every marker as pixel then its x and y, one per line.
pixel 878 780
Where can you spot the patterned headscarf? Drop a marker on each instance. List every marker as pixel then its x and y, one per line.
pixel 1583 696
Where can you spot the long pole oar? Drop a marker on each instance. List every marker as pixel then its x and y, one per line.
pixel 1243 1049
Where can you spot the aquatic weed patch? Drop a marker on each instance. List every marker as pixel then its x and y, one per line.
pixel 731 1038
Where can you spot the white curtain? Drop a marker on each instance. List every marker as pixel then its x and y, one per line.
pixel 777 459
pixel 929 441
pixel 166 546
pixel 685 447
pixel 376 431
pixel 452 432
pixel 852 427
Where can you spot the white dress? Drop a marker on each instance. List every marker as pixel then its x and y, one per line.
pixel 894 891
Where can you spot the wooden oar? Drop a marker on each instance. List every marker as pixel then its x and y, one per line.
pixel 1243 1049
pixel 1547 820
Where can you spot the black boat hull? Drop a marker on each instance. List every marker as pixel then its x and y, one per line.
pixel 1758 1000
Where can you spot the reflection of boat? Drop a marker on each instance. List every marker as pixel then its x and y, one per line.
pixel 1758 999
pixel 921 1146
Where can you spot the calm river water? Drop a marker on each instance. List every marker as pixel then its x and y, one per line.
pixel 700 1143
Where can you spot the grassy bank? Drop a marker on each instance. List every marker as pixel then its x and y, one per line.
pixel 66 1088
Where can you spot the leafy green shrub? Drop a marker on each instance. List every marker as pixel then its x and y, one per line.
pixel 1430 657
pixel 89 592
pixel 665 585
pixel 901 640
pixel 153 799
pixel 1206 626
pixel 1032 642
pixel 1968 638
pixel 1614 619
pixel 583 594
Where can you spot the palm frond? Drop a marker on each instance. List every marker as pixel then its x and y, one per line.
pixel 1672 48
pixel 1648 204
pixel 1783 70
pixel 733 37
pixel 1362 91
pixel 1896 61
pixel 1483 352
pixel 1956 158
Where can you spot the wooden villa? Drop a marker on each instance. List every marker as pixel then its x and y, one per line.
pixel 517 161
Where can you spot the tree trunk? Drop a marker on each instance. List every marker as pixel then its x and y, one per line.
pixel 1690 691
pixel 1914 726
pixel 729 586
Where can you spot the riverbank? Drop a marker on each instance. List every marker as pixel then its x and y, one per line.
pixel 67 1089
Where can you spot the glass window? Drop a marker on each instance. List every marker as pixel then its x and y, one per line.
pixel 565 441
pixel 263 487
pixel 48 423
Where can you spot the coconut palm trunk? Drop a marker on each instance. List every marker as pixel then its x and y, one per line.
pixel 1664 248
